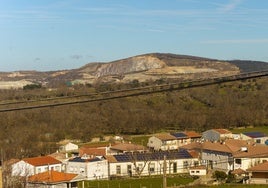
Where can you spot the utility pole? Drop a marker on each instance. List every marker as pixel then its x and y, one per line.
pixel 165 173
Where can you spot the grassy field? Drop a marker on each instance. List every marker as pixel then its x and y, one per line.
pixel 149 182
pixel 230 186
pixel 263 129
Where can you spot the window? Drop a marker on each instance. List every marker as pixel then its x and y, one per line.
pixel 258 141
pixel 151 168
pixel 39 170
pixel 185 164
pixel 197 171
pixel 238 161
pixel 174 167
pixel 82 170
pixel 118 169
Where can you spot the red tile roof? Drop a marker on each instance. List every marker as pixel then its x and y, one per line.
pixel 92 151
pixel 192 134
pixel 263 167
pixel 52 177
pixel 128 147
pixel 238 171
pixel 41 161
pixel 222 131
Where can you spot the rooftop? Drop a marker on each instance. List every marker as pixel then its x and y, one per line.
pixel 52 177
pixel 263 167
pixel 165 137
pixel 41 161
pixel 128 147
pixel 255 134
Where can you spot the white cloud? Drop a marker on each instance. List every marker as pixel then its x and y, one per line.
pixel 230 6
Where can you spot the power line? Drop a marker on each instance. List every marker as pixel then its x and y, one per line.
pixel 140 91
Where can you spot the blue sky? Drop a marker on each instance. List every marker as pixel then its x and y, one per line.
pixel 64 34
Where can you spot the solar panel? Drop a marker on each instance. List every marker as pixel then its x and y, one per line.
pixel 179 135
pixel 255 134
pixel 182 154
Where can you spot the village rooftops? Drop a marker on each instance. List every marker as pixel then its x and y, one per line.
pixel 41 161
pixel 230 146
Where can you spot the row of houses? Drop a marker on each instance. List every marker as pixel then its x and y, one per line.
pixel 182 152
pixel 37 169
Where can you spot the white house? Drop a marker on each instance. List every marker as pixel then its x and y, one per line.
pixel 35 165
pixel 258 174
pixel 233 154
pixel 257 137
pixel 68 147
pixel 162 142
pixel 198 170
pixel 91 168
pixel 144 164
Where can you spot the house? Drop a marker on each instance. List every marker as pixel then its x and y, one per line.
pixel 250 155
pixel 54 179
pixel 144 164
pixel 35 165
pixel 163 142
pixel 257 137
pixel 92 152
pixel 68 147
pixel 233 154
pixel 258 174
pixel 181 138
pixel 126 147
pixel 198 170
pixel 91 168
pixel 215 135
pixel 193 136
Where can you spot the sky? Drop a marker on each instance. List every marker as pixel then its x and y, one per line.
pixel 47 35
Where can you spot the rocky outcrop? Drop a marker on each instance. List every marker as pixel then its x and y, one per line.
pixel 130 65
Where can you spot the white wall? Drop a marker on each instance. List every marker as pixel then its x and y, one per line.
pixel 91 170
pixel 158 167
pixel 22 168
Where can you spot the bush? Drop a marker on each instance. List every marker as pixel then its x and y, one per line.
pixel 219 175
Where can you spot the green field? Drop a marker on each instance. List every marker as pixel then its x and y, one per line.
pixel 148 182
pixel 230 186
pixel 263 129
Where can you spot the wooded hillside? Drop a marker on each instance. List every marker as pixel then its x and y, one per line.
pixel 34 132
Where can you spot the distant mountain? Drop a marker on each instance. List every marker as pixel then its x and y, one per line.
pixel 142 67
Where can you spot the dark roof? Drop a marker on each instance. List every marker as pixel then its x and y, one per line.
pixel 179 135
pixel 183 154
pixel 255 134
pixel 82 160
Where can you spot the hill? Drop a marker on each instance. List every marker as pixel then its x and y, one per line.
pixel 143 68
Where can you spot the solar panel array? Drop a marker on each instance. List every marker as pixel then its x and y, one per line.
pixel 255 134
pixel 82 160
pixel 179 135
pixel 128 157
